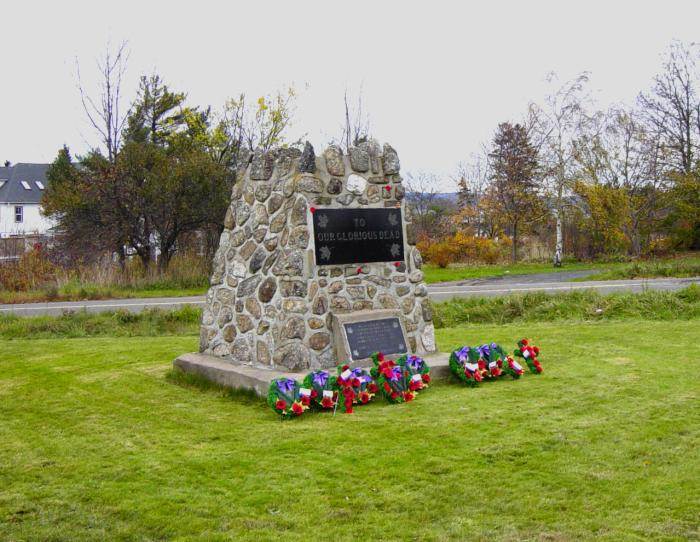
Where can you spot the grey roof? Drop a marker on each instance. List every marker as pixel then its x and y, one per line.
pixel 12 190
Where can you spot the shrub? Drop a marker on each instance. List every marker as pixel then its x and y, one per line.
pixel 464 248
pixel 441 254
pixel 470 248
pixel 33 270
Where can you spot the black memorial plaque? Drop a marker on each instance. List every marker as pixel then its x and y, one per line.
pixel 370 336
pixel 358 235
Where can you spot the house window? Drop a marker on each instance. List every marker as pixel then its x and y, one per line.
pixel 40 185
pixel 19 213
pixel 26 185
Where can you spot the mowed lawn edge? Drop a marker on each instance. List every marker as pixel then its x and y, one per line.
pixel 96 443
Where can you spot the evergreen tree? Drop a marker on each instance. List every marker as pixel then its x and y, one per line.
pixel 514 191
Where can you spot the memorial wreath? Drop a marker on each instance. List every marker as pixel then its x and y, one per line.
pixel 512 367
pixel 418 370
pixel 494 356
pixel 288 398
pixel 356 386
pixel 529 353
pixel 490 362
pixel 464 364
pixel 401 380
pixel 323 395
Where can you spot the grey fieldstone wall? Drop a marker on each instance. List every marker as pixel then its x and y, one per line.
pixel 269 304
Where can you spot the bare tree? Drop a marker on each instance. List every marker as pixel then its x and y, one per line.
pixel 672 106
pixel 422 195
pixel 619 150
pixel 244 127
pixel 472 179
pixel 104 110
pixel 356 125
pixel 553 129
pixel 273 115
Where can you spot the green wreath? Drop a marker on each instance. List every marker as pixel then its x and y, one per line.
pixel 323 394
pixel 287 398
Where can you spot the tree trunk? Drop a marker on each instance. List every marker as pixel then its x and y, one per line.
pixel 167 251
pixel 515 242
pixel 635 237
pixel 144 254
pixel 559 248
pixel 121 256
pixel 164 260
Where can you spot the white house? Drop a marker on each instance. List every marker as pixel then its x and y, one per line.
pixel 21 188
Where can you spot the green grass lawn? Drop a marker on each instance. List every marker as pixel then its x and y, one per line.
pixel 683 265
pixel 688 266
pixel 96 443
pixel 464 272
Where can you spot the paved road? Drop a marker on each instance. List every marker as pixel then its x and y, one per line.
pixel 551 283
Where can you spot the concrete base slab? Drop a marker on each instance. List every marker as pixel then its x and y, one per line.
pixel 258 379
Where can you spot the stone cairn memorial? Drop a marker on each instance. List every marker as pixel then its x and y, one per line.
pixel 317 263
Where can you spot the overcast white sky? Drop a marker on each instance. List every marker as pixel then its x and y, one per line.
pixel 437 77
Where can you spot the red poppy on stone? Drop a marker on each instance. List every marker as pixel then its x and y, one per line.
pixel 313 210
pixel 297 409
pixel 396 264
pixel 387 188
pixel 426 378
pixel 281 405
pixel 359 270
